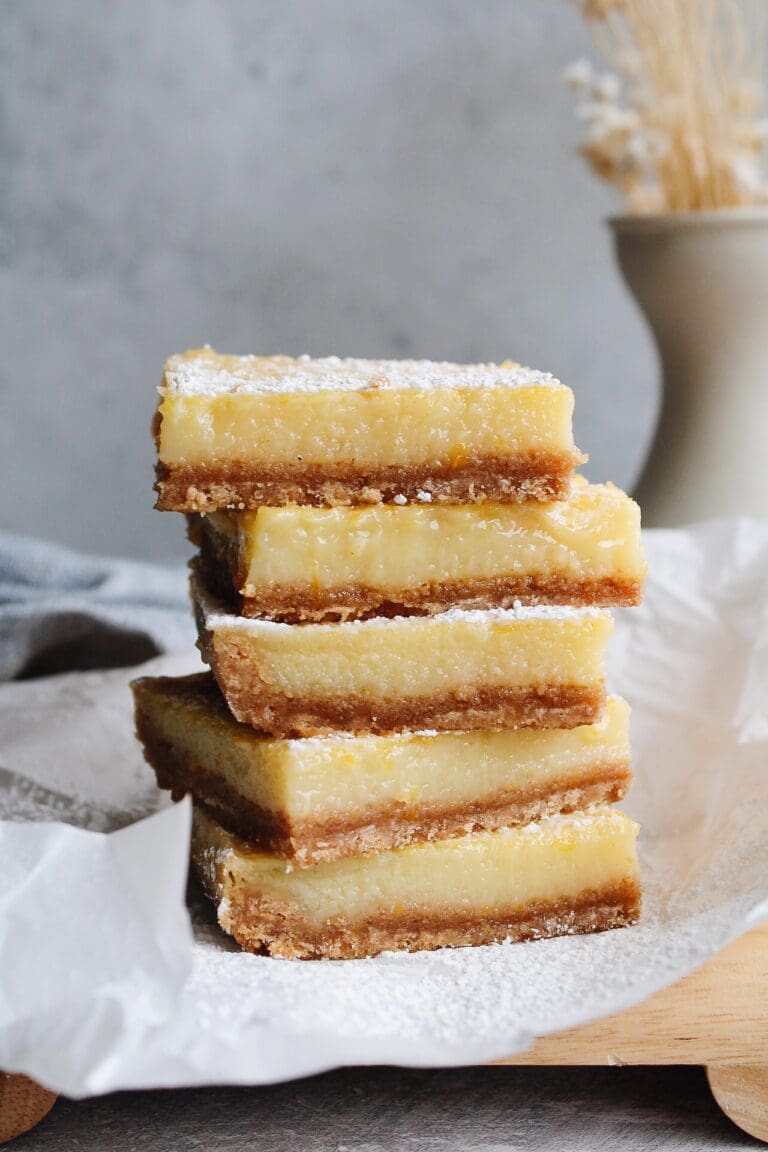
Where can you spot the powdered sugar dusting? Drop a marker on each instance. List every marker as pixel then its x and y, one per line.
pixel 203 372
pixel 217 617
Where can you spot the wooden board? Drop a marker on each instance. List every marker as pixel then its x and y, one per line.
pixel 717 1015
pixel 23 1104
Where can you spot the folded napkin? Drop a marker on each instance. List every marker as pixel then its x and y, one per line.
pixel 63 611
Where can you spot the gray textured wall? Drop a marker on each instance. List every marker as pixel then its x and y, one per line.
pixel 369 177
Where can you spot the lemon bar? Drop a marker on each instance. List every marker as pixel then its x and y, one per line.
pixel 504 668
pixel 331 796
pixel 564 874
pixel 298 564
pixel 243 431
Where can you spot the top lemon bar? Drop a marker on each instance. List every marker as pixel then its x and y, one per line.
pixel 246 431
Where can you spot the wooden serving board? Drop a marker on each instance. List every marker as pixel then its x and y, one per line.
pixel 717 1017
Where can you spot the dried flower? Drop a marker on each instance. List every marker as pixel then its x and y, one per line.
pixel 599 9
pixel 579 75
pixel 676 124
pixel 607 87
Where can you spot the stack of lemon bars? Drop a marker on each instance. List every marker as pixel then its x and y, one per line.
pixel 402 591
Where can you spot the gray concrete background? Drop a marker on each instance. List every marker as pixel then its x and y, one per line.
pixel 369 177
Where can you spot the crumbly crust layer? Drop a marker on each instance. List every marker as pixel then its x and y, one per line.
pixel 266 925
pixel 309 842
pixel 308 605
pixel 302 605
pixel 546 706
pixel 240 485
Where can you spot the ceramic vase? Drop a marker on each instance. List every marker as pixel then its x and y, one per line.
pixel 702 283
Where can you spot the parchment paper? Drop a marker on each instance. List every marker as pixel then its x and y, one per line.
pixel 104 984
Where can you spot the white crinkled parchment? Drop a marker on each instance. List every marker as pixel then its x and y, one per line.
pixel 103 988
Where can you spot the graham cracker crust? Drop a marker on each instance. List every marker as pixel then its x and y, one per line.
pixel 310 842
pixel 239 484
pixel 552 706
pixel 264 925
pixel 304 604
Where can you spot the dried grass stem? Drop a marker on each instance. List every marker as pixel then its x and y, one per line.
pixel 681 130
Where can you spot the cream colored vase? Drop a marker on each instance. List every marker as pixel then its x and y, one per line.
pixel 702 282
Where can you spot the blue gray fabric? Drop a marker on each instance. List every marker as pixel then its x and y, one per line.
pixel 63 611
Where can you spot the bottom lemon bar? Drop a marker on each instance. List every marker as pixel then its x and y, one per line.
pixel 325 797
pixel 565 874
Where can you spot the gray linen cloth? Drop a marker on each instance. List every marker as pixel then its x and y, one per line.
pixel 62 611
